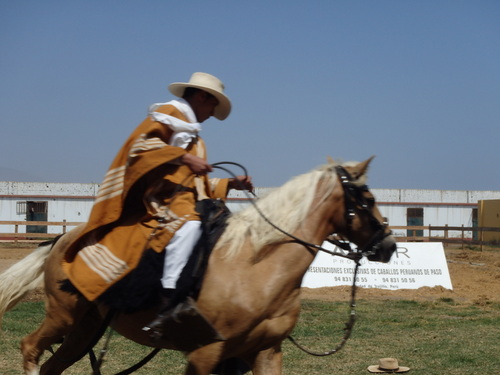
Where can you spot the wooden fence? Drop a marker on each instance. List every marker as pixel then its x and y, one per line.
pixel 434 233
pixel 17 235
pixel 442 234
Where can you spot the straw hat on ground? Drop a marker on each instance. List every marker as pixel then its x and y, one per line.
pixel 210 84
pixel 388 365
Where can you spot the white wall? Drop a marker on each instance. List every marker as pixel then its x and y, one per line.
pixel 65 201
pixel 72 202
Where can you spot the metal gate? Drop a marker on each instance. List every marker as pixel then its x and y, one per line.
pixel 415 217
pixel 36 211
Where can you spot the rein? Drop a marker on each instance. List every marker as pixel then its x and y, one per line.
pixel 352 191
pixel 349 325
pixel 353 198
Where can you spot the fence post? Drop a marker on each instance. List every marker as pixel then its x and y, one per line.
pixel 463 236
pixel 64 226
pixel 446 232
pixel 16 231
pixel 481 238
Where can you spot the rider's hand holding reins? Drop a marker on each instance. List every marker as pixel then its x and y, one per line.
pixel 198 165
pixel 241 183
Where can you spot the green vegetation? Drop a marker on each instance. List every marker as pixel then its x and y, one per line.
pixel 438 337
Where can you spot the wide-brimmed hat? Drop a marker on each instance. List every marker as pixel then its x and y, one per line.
pixel 210 84
pixel 388 365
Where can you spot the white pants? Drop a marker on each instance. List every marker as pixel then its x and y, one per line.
pixel 178 251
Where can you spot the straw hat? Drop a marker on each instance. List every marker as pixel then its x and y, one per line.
pixel 388 365
pixel 210 84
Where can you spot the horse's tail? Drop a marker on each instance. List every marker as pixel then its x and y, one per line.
pixel 22 277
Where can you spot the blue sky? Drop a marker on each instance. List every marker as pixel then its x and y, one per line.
pixel 416 83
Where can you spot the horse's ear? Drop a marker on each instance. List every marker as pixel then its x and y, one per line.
pixel 330 160
pixel 361 169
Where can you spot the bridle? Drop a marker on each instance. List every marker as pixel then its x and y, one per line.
pixel 355 199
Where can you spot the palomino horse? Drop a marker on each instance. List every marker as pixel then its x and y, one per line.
pixel 251 289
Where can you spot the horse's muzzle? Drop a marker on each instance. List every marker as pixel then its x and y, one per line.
pixel 385 249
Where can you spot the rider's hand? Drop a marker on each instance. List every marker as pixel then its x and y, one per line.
pixel 241 183
pixel 198 165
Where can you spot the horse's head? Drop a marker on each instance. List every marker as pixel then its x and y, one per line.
pixel 361 222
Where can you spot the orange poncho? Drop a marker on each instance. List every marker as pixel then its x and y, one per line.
pixel 145 197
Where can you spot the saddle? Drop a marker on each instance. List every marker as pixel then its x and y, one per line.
pixel 213 214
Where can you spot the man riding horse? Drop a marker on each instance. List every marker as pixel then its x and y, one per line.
pixel 148 197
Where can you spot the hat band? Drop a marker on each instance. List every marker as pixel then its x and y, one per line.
pixel 388 369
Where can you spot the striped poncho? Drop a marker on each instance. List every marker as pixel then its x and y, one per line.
pixel 139 206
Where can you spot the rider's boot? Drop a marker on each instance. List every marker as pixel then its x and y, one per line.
pixel 155 328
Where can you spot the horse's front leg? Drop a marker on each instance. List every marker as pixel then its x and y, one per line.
pixel 269 361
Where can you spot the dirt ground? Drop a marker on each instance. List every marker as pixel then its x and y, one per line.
pixel 475 276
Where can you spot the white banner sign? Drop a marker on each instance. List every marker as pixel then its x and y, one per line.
pixel 414 265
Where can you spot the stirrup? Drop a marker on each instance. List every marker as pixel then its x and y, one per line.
pixel 181 309
pixel 183 326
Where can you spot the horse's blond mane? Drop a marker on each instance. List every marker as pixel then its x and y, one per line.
pixel 286 207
